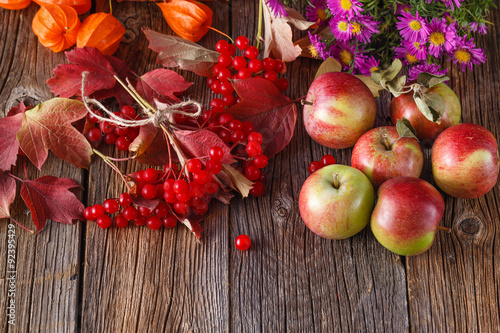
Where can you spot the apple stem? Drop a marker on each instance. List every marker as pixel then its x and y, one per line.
pixel 386 142
pixel 444 229
pixel 304 102
pixel 336 180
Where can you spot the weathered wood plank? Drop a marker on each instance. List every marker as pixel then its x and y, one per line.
pixel 454 287
pixel 47 264
pixel 136 279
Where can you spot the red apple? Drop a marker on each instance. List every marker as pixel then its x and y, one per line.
pixel 404 106
pixel 407 215
pixel 465 161
pixel 380 154
pixel 335 202
pixel 339 108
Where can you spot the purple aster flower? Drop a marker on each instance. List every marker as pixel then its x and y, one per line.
pixel 412 28
pixel 317 48
pixel 341 28
pixel 451 3
pixel 368 66
pixel 316 11
pixel 466 54
pixel 425 68
pixel 351 8
pixel 277 8
pixel 347 55
pixel 418 50
pixel 482 29
pixel 401 8
pixel 472 26
pixel 403 52
pixel 442 36
pixel 363 28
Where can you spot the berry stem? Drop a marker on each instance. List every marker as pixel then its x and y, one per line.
pixel 446 229
pixel 108 161
pixel 223 34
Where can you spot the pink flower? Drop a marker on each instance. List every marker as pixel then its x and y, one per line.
pixel 442 37
pixel 368 66
pixel 466 54
pixel 277 8
pixel 403 52
pixel 347 55
pixel 418 50
pixel 318 49
pixel 425 68
pixel 412 28
pixel 349 8
pixel 316 11
pixel 341 28
pixel 363 28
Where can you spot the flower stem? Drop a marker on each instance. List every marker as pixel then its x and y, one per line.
pixel 259 31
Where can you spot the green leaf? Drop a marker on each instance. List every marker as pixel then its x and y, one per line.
pixel 430 80
pixel 329 65
pixel 405 129
pixel 386 75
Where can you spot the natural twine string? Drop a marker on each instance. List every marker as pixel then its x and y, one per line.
pixel 155 118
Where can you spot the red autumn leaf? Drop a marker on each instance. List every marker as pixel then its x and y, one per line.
pixel 198 143
pixel 9 146
pixel 19 108
pixel 67 81
pixel 48 126
pixel 123 71
pixel 49 197
pixel 273 114
pixel 7 194
pixel 151 146
pixel 161 84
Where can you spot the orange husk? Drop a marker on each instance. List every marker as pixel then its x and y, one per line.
pixel 14 4
pixel 101 31
pixel 56 26
pixel 188 18
pixel 81 6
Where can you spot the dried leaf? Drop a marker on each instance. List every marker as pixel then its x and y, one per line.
pixel 374 88
pixel 224 196
pixel 48 126
pixel 328 66
pixel 295 18
pixel 161 84
pixel 273 114
pixel 198 143
pixel 194 226
pixel 50 197
pixel 381 76
pixel 178 52
pixel 239 182
pixel 395 86
pixel 429 80
pixel 150 146
pixel 7 194
pixel 427 111
pixel 405 129
pixel 9 145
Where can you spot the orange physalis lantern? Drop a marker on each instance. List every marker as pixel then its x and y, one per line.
pixel 56 26
pixel 81 6
pixel 14 4
pixel 101 31
pixel 188 18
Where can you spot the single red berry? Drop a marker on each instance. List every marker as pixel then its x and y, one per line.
pixel 106 127
pixel 225 59
pixel 149 192
pixel 130 213
pixel 270 76
pixel 214 166
pixel 221 46
pixel 235 125
pixel 244 73
pixel 260 161
pixel 224 74
pixel 144 211
pixel 128 111
pixel 153 222
pixel 120 220
pixel 281 84
pixel 97 211
pixel 242 242
pixel 140 220
pixel 111 206
pixel 150 175
pixel 180 118
pixel 211 187
pixel 120 131
pixel 252 172
pixel 183 197
pixel 226 88
pixel 201 177
pixel 247 127
pixel 257 189
pixel 228 100
pixel 251 52
pixel 207 115
pixel 314 166
pixel 122 143
pixel 110 138
pixel 231 49
pixel 255 65
pixel 124 199
pixel 225 135
pixel 161 210
pixel 169 221
pixel 93 119
pixel 215 87
pixel 268 64
pixel 193 165
pixel 241 42
pixel 217 105
pixel 225 118
pixel 255 136
pixel 201 208
pixel 181 207
pixel 87 213
pixel 180 186
pixel 94 134
pixel 279 66
pixel 104 221
pixel 238 136
pixel 170 196
pixel 239 62
pixel 211 80
pixel 253 148
pixel 328 160
pixel 168 185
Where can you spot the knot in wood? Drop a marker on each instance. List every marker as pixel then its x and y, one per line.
pixel 470 226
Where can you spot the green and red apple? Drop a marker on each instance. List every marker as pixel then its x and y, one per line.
pixel 407 215
pixel 405 106
pixel 381 155
pixel 465 161
pixel 339 108
pixel 336 201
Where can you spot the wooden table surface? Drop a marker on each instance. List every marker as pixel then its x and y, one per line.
pixel 82 278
